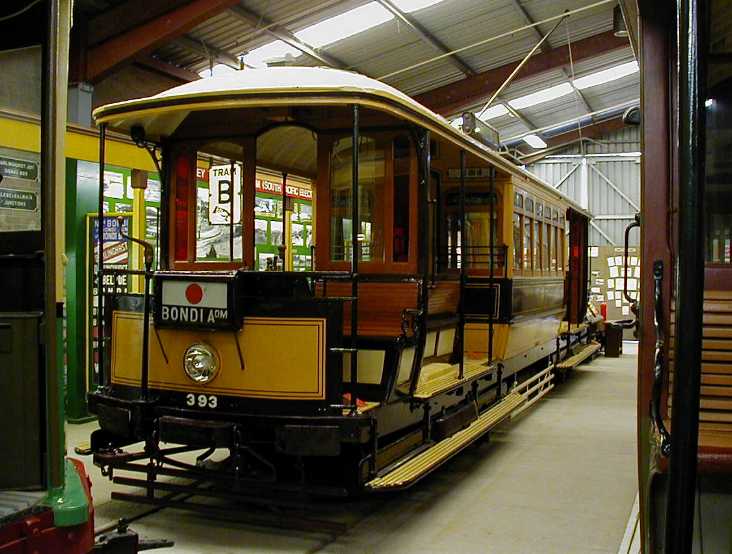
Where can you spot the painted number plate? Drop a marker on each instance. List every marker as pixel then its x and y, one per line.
pixel 201 400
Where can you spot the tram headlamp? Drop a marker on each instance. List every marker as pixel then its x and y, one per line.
pixel 201 363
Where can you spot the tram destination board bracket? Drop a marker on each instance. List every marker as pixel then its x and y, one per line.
pixel 196 300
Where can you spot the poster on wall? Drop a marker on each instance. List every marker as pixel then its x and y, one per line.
pixel 20 188
pixel 116 255
pixel 221 193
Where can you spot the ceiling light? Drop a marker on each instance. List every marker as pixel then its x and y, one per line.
pixel 709 102
pixel 541 96
pixel 259 57
pixel 215 71
pixel 409 6
pixel 345 25
pixel 606 75
pixel 493 112
pixel 534 141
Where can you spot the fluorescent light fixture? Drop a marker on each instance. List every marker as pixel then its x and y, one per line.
pixel 270 51
pixel 709 102
pixel 541 96
pixel 493 112
pixel 606 75
pixel 215 71
pixel 534 141
pixel 345 25
pixel 409 6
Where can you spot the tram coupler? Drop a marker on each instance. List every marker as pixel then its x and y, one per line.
pixel 125 541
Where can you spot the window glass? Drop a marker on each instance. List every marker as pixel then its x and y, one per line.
pixel 536 238
pixel 517 241
pixel 553 247
pixel 545 227
pixel 371 189
pixel 518 200
pixel 527 244
pixel 402 163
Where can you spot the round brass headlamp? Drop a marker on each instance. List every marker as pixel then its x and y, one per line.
pixel 201 363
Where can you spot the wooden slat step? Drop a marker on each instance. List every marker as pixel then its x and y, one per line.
pixel 448 379
pixel 573 329
pixel 573 361
pixel 412 470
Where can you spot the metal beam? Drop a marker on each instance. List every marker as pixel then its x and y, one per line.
pixel 603 233
pixel 167 69
pixel 571 137
pixel 255 20
pixel 427 37
pixel 545 47
pixel 455 97
pixel 125 16
pixel 208 52
pixel 103 58
pixel 615 188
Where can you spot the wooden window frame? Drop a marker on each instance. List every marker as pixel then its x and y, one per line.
pixel 249 145
pixel 323 260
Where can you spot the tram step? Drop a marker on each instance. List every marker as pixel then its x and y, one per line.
pixel 415 468
pixel 448 379
pixel 579 357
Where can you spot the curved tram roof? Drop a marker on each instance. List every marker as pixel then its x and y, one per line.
pixel 161 114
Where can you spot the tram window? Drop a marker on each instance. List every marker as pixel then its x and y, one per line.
pixel 553 246
pixel 183 184
pixel 561 250
pixel 402 162
pixel 528 251
pixel 545 246
pixel 371 173
pixel 517 242
pixel 536 245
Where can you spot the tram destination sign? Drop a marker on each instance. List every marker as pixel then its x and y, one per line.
pixel 195 301
pixel 19 169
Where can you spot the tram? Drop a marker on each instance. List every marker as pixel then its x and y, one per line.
pixel 685 354
pixel 447 287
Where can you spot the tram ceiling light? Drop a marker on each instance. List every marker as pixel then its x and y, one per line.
pixel 275 50
pixel 709 102
pixel 200 363
pixel 409 6
pixel 606 75
pixel 538 97
pixel 535 141
pixel 344 25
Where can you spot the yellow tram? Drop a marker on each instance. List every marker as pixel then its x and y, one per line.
pixel 467 293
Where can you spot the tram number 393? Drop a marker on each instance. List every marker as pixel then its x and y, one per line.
pixel 201 400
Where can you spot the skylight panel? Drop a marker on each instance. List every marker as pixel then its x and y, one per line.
pixel 541 96
pixel 268 52
pixel 606 75
pixel 345 25
pixel 534 141
pixel 409 6
pixel 493 112
pixel 457 122
pixel 215 71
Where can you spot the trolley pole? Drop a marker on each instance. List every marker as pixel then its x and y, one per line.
pixel 101 378
pixel 461 305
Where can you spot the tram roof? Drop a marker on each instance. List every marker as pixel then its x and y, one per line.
pixel 162 113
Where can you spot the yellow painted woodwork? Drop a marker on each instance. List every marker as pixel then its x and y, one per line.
pixel 476 340
pixel 284 358
pixel 528 334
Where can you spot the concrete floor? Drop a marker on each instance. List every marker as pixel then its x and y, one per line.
pixel 561 478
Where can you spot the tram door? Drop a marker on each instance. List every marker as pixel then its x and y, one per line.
pixel 22 386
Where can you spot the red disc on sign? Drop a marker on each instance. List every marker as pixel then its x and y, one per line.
pixel 194 293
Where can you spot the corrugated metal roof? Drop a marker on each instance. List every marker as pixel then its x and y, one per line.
pixel 393 46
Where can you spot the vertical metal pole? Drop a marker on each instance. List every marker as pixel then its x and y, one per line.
pixel 232 194
pixel 491 254
pixel 461 305
pixel 102 378
pixel 284 220
pixel 355 253
pixel 692 32
pixel 51 150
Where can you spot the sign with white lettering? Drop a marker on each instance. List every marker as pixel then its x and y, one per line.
pixel 188 301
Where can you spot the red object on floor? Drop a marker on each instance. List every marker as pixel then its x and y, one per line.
pixel 603 310
pixel 35 533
